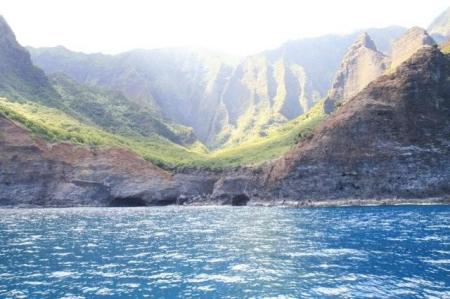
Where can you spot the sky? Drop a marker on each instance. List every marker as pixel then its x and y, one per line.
pixel 239 27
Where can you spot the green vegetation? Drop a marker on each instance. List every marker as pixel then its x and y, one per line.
pixel 273 144
pixel 56 126
pixel 115 113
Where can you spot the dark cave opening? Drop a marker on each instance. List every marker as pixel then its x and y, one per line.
pixel 166 201
pixel 131 201
pixel 240 200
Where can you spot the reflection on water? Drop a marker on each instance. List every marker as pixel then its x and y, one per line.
pixel 225 252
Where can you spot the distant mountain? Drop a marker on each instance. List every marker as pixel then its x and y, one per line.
pixel 20 80
pixel 224 101
pixel 183 85
pixel 440 27
pixel 112 111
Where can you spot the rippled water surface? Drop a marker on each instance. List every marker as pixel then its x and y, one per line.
pixel 226 252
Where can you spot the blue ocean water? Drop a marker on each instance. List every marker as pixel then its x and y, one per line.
pixel 226 252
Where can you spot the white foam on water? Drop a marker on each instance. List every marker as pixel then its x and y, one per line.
pixel 62 274
pixel 104 292
pixel 35 283
pixel 438 261
pixel 130 285
pixel 206 288
pixel 331 291
pixel 241 268
pixel 217 277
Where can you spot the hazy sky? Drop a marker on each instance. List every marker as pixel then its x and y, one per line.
pixel 234 26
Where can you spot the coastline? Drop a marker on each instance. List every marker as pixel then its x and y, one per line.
pixel 338 203
pixel 330 203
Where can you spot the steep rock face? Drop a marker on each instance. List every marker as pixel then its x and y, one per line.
pixel 389 141
pixel 260 93
pixel 19 78
pixel 185 84
pixel 361 65
pixel 36 173
pixel 440 27
pixel 403 48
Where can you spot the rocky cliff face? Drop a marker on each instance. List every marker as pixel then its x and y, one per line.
pixel 403 48
pixel 36 173
pixel 260 93
pixel 389 141
pixel 361 65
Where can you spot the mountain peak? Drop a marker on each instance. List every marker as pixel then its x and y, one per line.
pixel 366 41
pixel 361 64
pixel 404 47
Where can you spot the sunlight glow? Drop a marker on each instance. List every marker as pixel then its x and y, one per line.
pixel 234 26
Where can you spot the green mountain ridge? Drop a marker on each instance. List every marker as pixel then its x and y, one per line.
pixel 112 111
pixel 181 84
pixel 223 99
pixel 56 126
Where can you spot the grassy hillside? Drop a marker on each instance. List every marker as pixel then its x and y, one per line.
pixel 56 126
pixel 273 144
pixel 115 113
